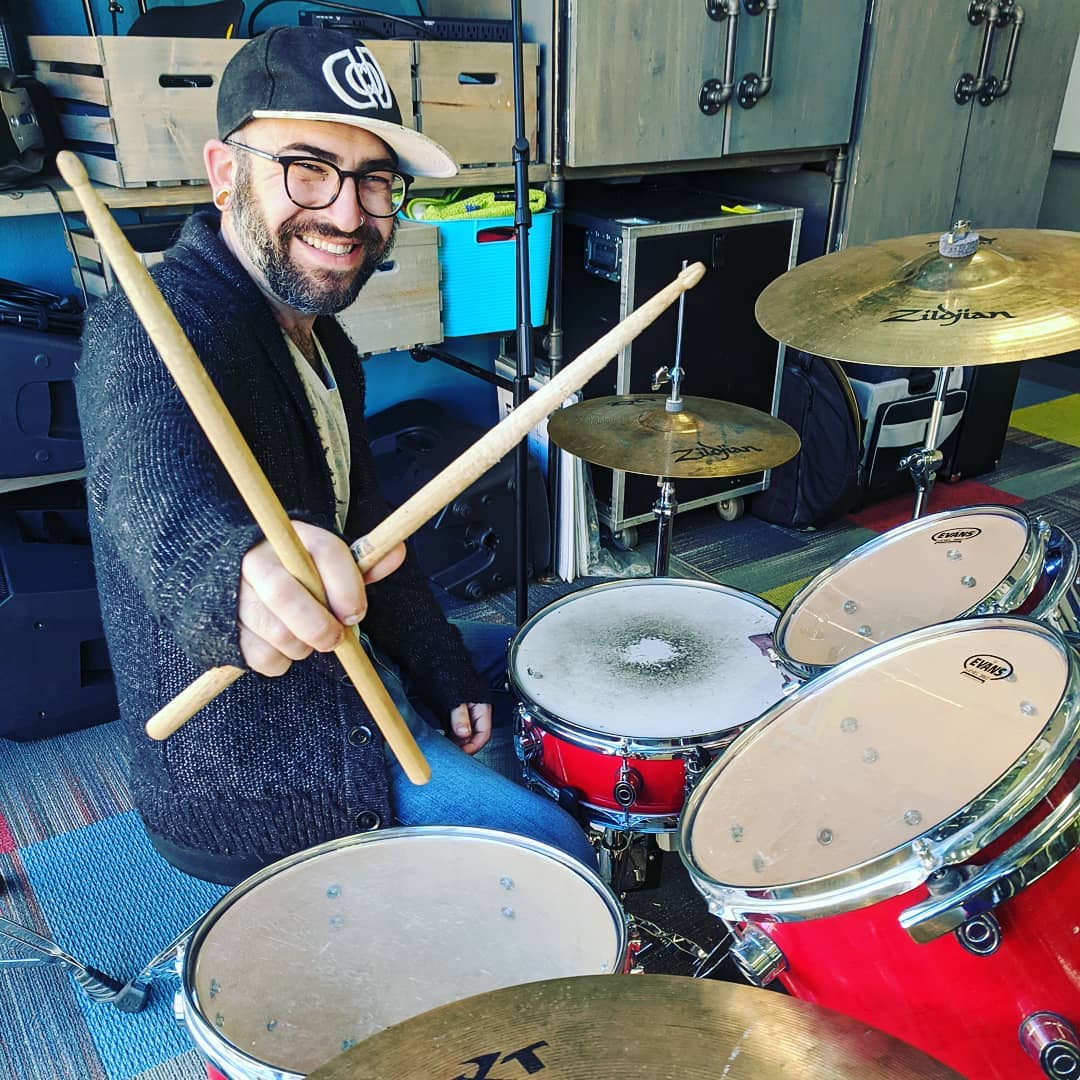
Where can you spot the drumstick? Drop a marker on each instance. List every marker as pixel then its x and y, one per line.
pixel 454 479
pixel 210 411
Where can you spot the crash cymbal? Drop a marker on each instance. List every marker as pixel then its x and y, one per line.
pixel 708 438
pixel 623 1027
pixel 902 302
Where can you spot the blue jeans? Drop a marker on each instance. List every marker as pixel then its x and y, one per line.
pixel 462 790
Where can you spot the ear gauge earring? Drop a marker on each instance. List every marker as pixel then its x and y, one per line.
pixel 221 198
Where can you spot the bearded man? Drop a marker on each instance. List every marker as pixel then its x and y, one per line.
pixel 310 168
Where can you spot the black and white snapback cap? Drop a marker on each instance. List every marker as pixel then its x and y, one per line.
pixel 308 73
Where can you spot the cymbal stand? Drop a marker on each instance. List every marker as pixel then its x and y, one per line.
pixel 960 242
pixel 924 462
pixel 666 505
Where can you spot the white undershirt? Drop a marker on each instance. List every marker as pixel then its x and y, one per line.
pixel 325 401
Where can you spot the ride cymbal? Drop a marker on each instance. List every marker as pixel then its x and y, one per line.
pixel 630 1027
pixel 903 303
pixel 708 438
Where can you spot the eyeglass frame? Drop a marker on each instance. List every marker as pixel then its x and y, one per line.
pixel 286 160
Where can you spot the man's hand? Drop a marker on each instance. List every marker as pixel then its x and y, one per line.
pixel 470 726
pixel 280 621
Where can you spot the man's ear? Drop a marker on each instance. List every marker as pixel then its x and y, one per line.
pixel 220 169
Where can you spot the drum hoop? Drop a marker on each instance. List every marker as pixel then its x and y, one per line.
pixel 1062 592
pixel 222 1052
pixel 953 840
pixel 608 742
pixel 1006 595
pixel 641 746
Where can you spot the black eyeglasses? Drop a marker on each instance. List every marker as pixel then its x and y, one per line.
pixel 314 184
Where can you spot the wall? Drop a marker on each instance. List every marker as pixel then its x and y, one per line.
pixel 32 249
pixel 1061 200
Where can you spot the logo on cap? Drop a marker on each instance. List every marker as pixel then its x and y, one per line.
pixel 356 79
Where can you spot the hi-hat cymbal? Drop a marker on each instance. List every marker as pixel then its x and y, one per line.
pixel 901 302
pixel 707 438
pixel 623 1027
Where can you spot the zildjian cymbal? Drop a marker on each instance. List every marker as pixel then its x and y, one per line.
pixel 638 434
pixel 632 1027
pixel 902 302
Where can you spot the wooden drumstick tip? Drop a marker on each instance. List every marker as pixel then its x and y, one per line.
pixel 687 278
pixel 71 169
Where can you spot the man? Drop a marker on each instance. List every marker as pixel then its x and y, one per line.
pixel 311 166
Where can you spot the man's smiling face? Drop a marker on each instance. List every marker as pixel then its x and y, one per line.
pixel 313 261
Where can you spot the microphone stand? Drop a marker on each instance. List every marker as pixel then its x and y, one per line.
pixel 522 221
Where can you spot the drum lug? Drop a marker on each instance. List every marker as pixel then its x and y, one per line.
pixel 757 956
pixel 790 683
pixel 528 743
pixel 981 935
pixel 627 787
pixel 695 763
pixel 1053 1042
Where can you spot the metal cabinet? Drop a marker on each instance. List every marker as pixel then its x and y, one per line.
pixel 686 80
pixel 941 132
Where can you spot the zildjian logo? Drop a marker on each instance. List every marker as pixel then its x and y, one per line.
pixel 942 315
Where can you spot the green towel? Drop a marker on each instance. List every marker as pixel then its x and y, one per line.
pixel 459 206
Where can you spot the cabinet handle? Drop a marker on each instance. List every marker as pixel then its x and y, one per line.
pixel 753 87
pixel 990 13
pixel 994 87
pixel 715 93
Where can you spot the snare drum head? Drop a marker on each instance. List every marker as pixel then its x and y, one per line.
pixel 919 574
pixel 876 754
pixel 660 658
pixel 364 932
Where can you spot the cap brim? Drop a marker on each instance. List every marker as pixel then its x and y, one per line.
pixel 416 153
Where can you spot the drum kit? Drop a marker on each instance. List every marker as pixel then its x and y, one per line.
pixel 877 791
pixel 890 836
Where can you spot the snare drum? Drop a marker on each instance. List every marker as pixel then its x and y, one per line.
pixel 981 560
pixel 332 944
pixel 896 841
pixel 628 688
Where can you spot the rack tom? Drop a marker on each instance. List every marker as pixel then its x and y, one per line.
pixel 980 560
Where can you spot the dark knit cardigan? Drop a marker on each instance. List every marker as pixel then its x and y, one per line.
pixel 273 765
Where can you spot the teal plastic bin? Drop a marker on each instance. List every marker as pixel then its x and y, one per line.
pixel 478 272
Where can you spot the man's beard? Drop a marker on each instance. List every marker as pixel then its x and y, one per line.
pixel 307 290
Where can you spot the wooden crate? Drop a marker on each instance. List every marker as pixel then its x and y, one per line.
pixel 138 109
pixel 399 306
pixel 149 240
pixel 465 99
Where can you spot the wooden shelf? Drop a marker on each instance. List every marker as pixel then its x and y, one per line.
pixel 33 199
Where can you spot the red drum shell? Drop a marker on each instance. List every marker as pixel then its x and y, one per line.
pixel 965 1010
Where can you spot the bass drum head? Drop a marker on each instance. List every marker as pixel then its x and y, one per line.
pixel 325 948
pixel 919 574
pixel 661 658
pixel 881 751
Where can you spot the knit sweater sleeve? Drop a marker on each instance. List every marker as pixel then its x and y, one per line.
pixel 160 497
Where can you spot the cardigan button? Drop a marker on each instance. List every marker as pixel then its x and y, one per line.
pixel 360 735
pixel 368 821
